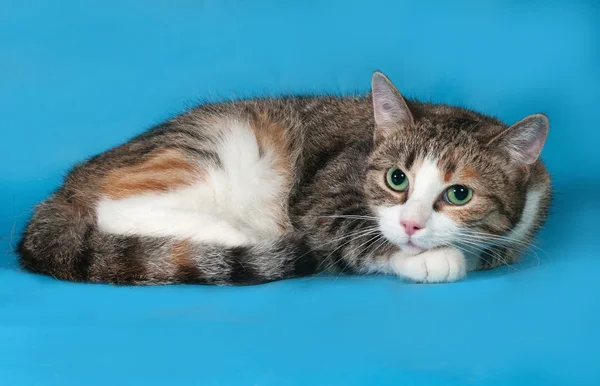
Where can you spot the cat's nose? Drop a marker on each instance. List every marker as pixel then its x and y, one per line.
pixel 410 226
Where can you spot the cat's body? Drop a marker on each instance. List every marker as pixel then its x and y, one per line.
pixel 255 191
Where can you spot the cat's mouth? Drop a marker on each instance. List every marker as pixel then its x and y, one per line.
pixel 412 248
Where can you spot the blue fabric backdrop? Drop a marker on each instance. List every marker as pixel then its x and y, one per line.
pixel 77 77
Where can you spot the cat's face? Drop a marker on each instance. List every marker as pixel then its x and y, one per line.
pixel 447 176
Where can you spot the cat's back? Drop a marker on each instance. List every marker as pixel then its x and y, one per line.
pixel 302 117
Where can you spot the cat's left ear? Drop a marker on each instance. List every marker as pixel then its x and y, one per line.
pixel 525 139
pixel 389 107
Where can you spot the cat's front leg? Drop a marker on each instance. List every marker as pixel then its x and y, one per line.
pixel 437 265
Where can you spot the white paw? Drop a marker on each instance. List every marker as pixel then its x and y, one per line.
pixel 434 266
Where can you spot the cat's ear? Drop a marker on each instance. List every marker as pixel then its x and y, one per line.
pixel 390 108
pixel 524 140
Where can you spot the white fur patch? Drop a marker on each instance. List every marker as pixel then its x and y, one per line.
pixel 234 205
pixel 143 216
pixel 248 190
pixel 523 227
pixel 426 188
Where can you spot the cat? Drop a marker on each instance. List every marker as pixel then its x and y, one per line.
pixel 253 191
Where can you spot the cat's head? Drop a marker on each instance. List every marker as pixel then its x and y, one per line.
pixel 442 175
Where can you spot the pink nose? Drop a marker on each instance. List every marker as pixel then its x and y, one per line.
pixel 410 226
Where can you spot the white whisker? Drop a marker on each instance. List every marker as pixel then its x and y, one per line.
pixel 352 237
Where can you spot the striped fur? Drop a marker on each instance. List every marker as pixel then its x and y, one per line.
pixel 253 191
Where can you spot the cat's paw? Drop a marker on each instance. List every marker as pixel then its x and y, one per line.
pixel 433 266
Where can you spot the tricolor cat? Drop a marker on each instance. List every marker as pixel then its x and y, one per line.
pixel 254 191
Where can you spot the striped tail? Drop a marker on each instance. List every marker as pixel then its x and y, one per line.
pixel 79 252
pixel 64 242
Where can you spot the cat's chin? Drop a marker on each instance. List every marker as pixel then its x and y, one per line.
pixel 411 249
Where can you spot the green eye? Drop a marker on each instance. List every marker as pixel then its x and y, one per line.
pixel 458 195
pixel 396 179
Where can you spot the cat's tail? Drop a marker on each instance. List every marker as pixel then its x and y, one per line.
pixel 75 250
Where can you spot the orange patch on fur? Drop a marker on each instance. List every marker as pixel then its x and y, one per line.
pixel 468 173
pixel 165 170
pixel 181 256
pixel 448 177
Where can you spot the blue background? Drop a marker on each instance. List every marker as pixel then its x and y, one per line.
pixel 77 77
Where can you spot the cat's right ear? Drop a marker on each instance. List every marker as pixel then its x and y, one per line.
pixel 390 108
pixel 524 140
